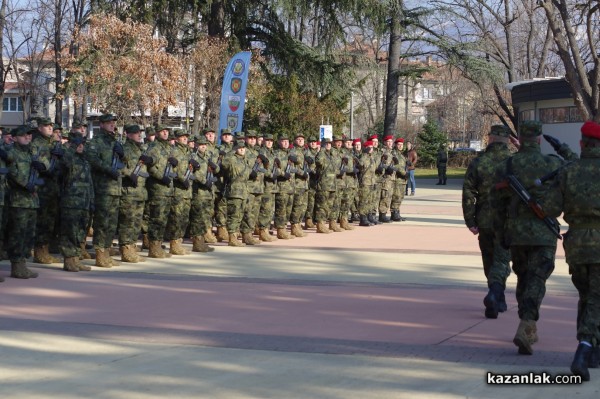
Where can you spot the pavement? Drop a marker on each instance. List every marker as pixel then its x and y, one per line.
pixel 389 311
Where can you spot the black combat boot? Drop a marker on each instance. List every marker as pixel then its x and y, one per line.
pixel 383 218
pixel 364 221
pixel 372 219
pixel 396 216
pixel 580 362
pixel 444 181
pixel 492 301
pixel 502 307
pixel 439 183
pixel 594 362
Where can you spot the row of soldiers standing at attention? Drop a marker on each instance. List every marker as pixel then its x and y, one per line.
pixel 512 201
pixel 171 185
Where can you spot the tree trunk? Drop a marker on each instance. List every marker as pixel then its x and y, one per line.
pixel 216 23
pixel 57 69
pixel 391 93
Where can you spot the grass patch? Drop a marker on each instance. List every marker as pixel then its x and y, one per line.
pixel 451 173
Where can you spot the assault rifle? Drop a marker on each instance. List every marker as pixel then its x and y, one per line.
pixel 34 176
pixel 57 149
pixel 116 163
pixel 551 175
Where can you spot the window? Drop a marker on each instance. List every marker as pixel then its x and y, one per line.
pixel 560 115
pixel 12 104
pixel 528 115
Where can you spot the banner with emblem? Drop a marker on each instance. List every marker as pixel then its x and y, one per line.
pixel 233 94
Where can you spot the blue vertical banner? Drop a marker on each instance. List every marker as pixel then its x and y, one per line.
pixel 233 94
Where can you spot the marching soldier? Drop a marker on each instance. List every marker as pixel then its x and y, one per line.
pixel 213 155
pixel 326 185
pixel 236 172
pixel 202 206
pixel 256 188
pixel 309 157
pixel 386 172
pixel 340 167
pixel 366 183
pixel 284 197
pixel 300 200
pixel 220 201
pixel 267 206
pixel 400 181
pixel 349 189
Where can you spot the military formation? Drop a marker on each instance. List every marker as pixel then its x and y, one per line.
pixel 511 201
pixel 59 186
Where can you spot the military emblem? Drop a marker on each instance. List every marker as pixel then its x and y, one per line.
pixel 236 85
pixel 234 103
pixel 238 67
pixel 232 121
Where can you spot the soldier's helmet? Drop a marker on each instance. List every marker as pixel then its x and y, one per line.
pixel 500 130
pixel 530 129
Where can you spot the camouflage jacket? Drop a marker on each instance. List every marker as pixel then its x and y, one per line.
pixel 478 183
pixel 200 188
pixel 78 188
pixel 18 176
pixel 514 221
pixel 576 192
pixel 400 167
pixel 367 165
pixel 236 172
pixel 255 185
pixel 99 154
pixel 183 154
pixel 3 173
pixel 285 184
pixel 313 176
pixel 327 170
pixel 160 152
pixel 133 151
pixel 302 174
pixel 271 167
pixel 40 147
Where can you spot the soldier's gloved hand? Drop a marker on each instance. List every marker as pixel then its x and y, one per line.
pixel 195 164
pixel 287 176
pixel 222 153
pixel 355 171
pixel 212 165
pixel 277 162
pixel 118 149
pixel 309 160
pixel 408 163
pixel 58 152
pixel 553 141
pixel 384 157
pixel 293 158
pixel 345 160
pixel 147 160
pixel 39 166
pixel 263 159
pixel 165 180
pixel 395 160
pixel 173 161
pixel 379 170
pixel 114 174
pixel 134 179
pixel 253 175
pixel 186 184
pixel 390 170
pixel 213 180
pixel 3 154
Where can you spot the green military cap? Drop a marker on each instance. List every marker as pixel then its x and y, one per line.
pixel 268 136
pixel 201 140
pixel 149 130
pixel 21 130
pixel 326 140
pixel 240 136
pixel 226 131
pixel 44 121
pixel 181 132
pixel 107 118
pixel 299 134
pixel 193 138
pixel 530 129
pixel 57 127
pixel 312 139
pixel 208 130
pixel 160 128
pixel 64 134
pixel 251 133
pixel 239 144
pixel 130 129
pixel 76 125
pixel 500 130
pixel 337 137
pixel 171 134
pixel 283 137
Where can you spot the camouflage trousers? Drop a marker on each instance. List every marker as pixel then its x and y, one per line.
pixel 220 212
pixel 267 208
pixel 48 213
pixel 495 258
pixel 251 211
pixel 235 214
pixel 385 196
pixel 105 220
pixel 324 205
pixel 201 212
pixel 586 278
pixel 365 198
pixel 73 231
pixel 131 214
pixel 179 217
pixel 532 265
pixel 158 209
pixel 145 218
pixel 283 209
pixel 21 224
pixel 398 194
pixel 347 198
pixel 336 205
pixel 376 195
pixel 299 206
pixel 310 203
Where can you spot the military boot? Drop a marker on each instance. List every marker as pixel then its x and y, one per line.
pixel 594 362
pixel 333 226
pixel 234 241
pixel 581 360
pixel 84 253
pixel 322 228
pixel 19 270
pixel 492 301
pixel 109 254
pixel 297 230
pixel 69 264
pixel 209 237
pixel 222 234
pixel 364 221
pixel 309 224
pixel 41 255
pixel 199 245
pixel 345 225
pixel 526 336
pixel 81 266
pixel 372 219
pixel 155 250
pixel 444 181
pixel 396 215
pixel 249 240
pixel 145 241
pixel 102 258
pixel 282 234
pixel 113 251
pixel 265 236
pixel 383 218
pixel 129 254
pixel 439 183
pixel 176 248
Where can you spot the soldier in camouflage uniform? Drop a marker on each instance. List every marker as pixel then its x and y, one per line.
pixel 478 214
pixel 284 197
pixel 400 182
pixel 532 244
pixel 348 191
pixel 386 172
pixel 576 192
pixel 104 153
pixel 267 206
pixel 133 193
pixel 376 193
pixel 160 190
pixel 236 173
pixel 48 150
pixel 340 182
pixel 3 192
pixel 23 201
pixel 150 136
pixel 309 156
pixel 202 206
pixel 327 170
pixel 256 188
pixel 356 153
pixel 77 199
pixel 300 201
pixel 213 155
pixel 223 150
pixel 184 166
pixel 366 183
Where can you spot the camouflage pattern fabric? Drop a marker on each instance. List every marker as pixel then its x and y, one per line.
pixel 327 170
pixel 586 278
pixel 366 181
pixel 133 195
pixel 182 196
pixel 495 258
pixel 300 198
pixel 160 194
pixel 202 206
pixel 73 231
pixel 236 172
pixel 21 224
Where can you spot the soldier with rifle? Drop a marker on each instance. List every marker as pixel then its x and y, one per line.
pixel 267 205
pixel 256 188
pixel 309 158
pixel 284 198
pixel 202 205
pixel 300 200
pixel 327 170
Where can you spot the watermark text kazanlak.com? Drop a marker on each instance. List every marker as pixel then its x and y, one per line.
pixel 532 378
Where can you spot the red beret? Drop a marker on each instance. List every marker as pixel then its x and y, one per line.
pixel 399 140
pixel 368 143
pixel 591 129
pixel 373 137
pixel 355 141
pixel 386 138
